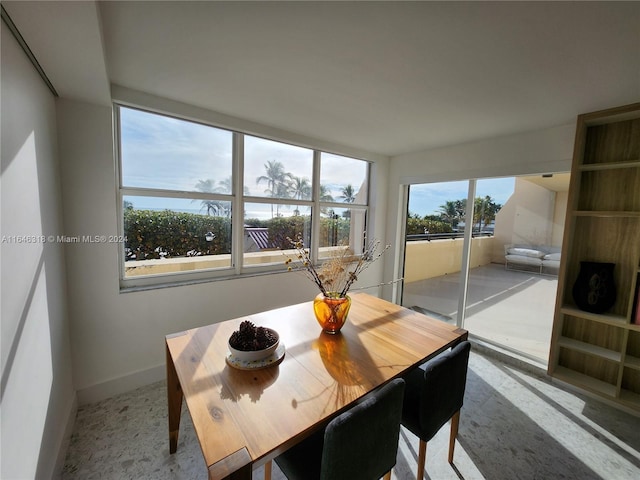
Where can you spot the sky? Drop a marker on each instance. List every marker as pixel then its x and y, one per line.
pixel 426 199
pixel 166 153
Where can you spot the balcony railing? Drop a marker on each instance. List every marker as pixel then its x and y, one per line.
pixel 443 236
pixel 434 257
pixel 430 256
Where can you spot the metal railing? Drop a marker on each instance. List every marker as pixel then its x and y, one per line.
pixel 443 236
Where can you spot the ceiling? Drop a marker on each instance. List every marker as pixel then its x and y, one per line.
pixel 557 182
pixel 384 77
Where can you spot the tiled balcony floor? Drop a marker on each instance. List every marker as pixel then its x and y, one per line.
pixel 511 308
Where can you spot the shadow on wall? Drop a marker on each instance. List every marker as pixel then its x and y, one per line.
pixel 36 350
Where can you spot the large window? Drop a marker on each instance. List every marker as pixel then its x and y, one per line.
pixel 202 202
pixel 342 180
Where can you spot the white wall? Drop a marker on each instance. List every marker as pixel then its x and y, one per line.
pixel 38 399
pixel 542 151
pixel 118 338
pixel 559 218
pixel 531 219
pixel 527 218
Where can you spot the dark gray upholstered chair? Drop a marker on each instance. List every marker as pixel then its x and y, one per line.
pixel 359 444
pixel 434 394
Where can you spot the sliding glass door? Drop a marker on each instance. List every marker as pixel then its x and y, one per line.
pixel 472 227
pixel 433 248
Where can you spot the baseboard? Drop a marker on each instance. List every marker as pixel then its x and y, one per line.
pixel 66 438
pixel 116 386
pixel 508 356
pixel 594 396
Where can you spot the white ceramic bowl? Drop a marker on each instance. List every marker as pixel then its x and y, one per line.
pixel 255 355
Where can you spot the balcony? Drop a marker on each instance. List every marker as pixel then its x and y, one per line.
pixel 511 308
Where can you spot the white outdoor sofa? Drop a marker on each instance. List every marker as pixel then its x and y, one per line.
pixel 539 259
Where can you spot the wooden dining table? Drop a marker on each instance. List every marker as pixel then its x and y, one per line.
pixel 245 418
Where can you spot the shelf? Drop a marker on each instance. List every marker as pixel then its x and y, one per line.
pixel 632 362
pixel 585 381
pixel 590 349
pixel 607 318
pixel 633 326
pixel 606 213
pixel 630 398
pixel 600 352
pixel 611 115
pixel 590 167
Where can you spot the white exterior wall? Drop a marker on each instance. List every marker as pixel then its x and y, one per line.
pixel 559 217
pixel 529 217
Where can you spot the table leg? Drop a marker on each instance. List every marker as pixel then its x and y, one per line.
pixel 174 403
pixel 237 466
pixel 245 473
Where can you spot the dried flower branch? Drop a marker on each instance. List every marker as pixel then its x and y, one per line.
pixel 335 276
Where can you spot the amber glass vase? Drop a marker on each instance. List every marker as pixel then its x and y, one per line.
pixel 331 311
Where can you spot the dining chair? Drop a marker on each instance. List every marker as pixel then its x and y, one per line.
pixel 359 444
pixel 434 394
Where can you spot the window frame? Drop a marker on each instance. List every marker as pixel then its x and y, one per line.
pixel 237 268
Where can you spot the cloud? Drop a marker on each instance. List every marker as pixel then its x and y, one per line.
pixel 166 153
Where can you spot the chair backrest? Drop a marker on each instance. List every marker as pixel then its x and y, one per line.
pixel 443 390
pixel 362 443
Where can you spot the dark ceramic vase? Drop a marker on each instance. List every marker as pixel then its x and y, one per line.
pixel 594 290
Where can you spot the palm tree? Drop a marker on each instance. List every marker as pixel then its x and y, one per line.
pixel 216 208
pixel 348 194
pixel 449 212
pixel 226 186
pixel 484 211
pixel 461 208
pixel 300 188
pixel 276 179
pixel 325 196
pixel 205 185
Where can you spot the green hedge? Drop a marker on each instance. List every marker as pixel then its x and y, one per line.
pixel 416 226
pixel 156 234
pixel 282 227
pixel 333 231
